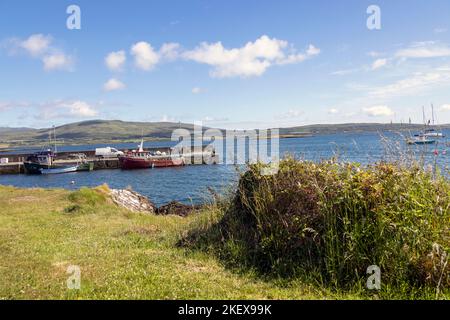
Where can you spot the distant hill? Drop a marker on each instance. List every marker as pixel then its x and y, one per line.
pixel 116 130
pixel 351 127
pixel 95 130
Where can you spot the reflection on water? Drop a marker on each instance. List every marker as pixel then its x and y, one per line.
pixel 192 183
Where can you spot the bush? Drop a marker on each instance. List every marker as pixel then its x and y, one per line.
pixel 334 220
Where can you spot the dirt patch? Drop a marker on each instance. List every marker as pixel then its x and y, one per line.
pixel 177 208
pixel 141 230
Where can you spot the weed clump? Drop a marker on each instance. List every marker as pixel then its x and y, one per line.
pixel 85 200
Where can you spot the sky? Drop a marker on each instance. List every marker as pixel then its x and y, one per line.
pixel 229 64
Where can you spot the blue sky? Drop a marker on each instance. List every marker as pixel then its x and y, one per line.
pixel 236 64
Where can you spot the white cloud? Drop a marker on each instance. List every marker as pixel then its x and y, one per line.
pixel 253 59
pixel 414 84
pixel 300 57
pixel 290 114
pixel 378 111
pixel 428 49
pixel 333 111
pixel 80 109
pixel 445 107
pixel 40 46
pixel 167 118
pixel 60 109
pixel 115 60
pixel 145 57
pixel 169 51
pixel 197 90
pixel 379 63
pixel 36 44
pixel 214 119
pixel 7 105
pixel 440 30
pixel 57 61
pixel 344 72
pixel 113 84
pixel 374 54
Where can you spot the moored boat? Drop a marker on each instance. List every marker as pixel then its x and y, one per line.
pixel 135 160
pixel 59 169
pixel 44 163
pixel 39 161
pixel 145 160
pixel 140 159
pixel 420 141
pixel 430 133
pixel 167 162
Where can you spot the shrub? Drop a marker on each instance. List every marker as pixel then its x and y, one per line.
pixel 334 220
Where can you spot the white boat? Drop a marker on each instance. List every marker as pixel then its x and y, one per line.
pixel 429 130
pixel 431 133
pixel 420 140
pixel 57 170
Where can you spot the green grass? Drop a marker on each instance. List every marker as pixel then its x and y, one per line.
pixel 122 255
pixel 308 232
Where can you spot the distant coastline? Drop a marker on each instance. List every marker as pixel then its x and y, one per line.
pixel 116 131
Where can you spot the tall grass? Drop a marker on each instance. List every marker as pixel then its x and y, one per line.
pixel 330 221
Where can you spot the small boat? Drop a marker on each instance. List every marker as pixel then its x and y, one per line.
pixel 59 169
pixel 140 159
pixel 429 129
pixel 430 133
pixel 420 141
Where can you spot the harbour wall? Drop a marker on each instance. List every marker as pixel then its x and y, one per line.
pixel 14 164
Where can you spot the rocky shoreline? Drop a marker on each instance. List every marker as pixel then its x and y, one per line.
pixel 136 202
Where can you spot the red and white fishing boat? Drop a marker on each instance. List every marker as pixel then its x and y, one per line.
pixel 140 159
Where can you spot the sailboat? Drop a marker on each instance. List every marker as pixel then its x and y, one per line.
pixel 424 136
pixel 430 131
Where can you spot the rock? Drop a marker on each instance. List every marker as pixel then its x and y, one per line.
pixel 176 208
pixel 132 201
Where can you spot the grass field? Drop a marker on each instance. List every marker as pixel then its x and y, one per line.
pixel 121 255
pixel 126 255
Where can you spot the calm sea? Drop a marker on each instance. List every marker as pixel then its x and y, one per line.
pixel 192 184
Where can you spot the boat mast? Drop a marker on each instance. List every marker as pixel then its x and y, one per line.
pixel 432 113
pixel 423 115
pixel 54 136
pixel 141 146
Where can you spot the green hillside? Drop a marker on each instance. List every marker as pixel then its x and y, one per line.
pixel 98 130
pixel 352 127
pixel 116 130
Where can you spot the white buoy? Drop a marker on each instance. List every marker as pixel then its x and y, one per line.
pixel 72 182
